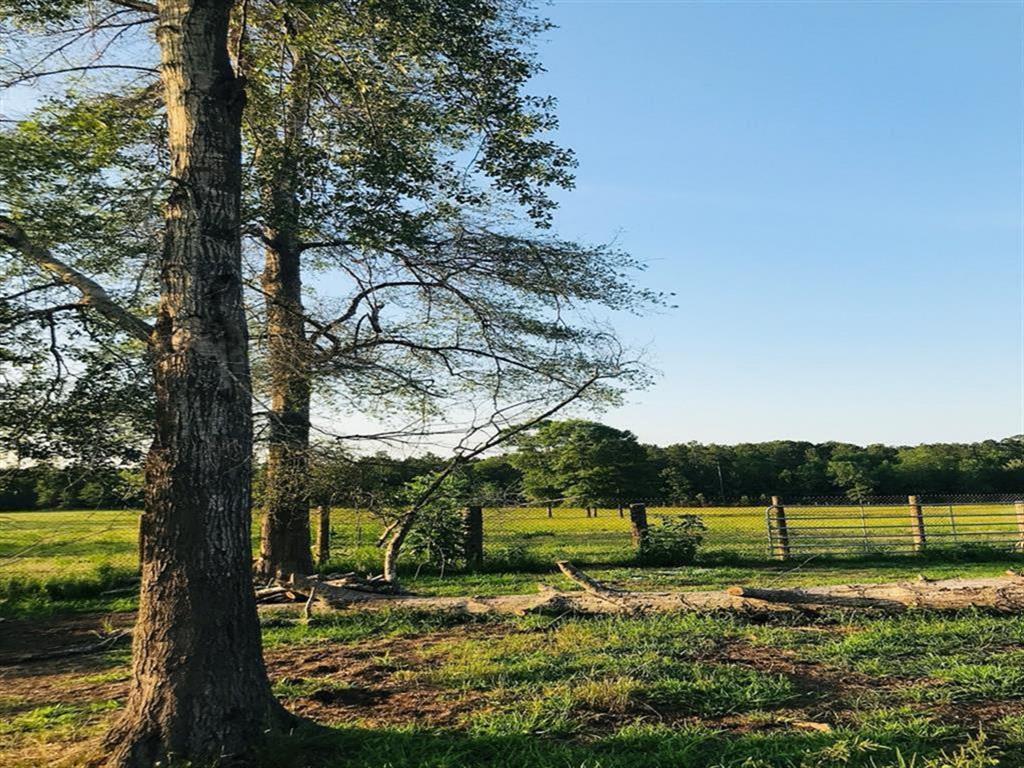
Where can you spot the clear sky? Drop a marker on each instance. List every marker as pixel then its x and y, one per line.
pixel 834 190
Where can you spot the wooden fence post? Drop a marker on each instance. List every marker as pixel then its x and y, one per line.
pixel 473 528
pixel 917 524
pixel 638 524
pixel 1018 507
pixel 550 513
pixel 781 538
pixel 323 534
pixel 621 513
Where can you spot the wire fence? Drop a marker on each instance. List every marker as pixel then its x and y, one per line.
pixel 102 545
pixel 896 526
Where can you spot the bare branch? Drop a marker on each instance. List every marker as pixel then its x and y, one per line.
pixel 136 5
pixel 92 292
pixel 30 76
pixel 396 532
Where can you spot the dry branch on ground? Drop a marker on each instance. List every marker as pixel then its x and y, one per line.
pixel 1004 594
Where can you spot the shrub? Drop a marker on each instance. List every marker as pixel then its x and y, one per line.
pixel 437 538
pixel 673 542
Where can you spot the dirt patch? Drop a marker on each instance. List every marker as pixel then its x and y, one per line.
pixel 358 683
pixel 19 637
pixel 373 683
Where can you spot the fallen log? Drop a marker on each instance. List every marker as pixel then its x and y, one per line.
pixel 1003 594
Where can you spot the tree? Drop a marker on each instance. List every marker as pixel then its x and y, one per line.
pixel 859 472
pixel 356 172
pixel 199 689
pixel 487 307
pixel 358 117
pixel 589 462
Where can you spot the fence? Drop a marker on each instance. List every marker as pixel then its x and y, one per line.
pixel 41 546
pixel 913 525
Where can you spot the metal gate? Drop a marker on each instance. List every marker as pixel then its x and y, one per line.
pixel 913 526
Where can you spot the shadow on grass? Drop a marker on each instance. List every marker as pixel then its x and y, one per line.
pixel 636 746
pixel 967 553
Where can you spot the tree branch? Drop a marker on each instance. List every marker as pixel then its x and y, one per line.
pixel 93 294
pixel 30 76
pixel 136 5
pixel 395 533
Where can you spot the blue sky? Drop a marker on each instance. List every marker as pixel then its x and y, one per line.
pixel 834 192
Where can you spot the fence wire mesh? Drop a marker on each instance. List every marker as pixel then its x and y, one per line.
pixel 38 547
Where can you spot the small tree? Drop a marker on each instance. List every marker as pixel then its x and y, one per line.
pixel 437 537
pixel 673 542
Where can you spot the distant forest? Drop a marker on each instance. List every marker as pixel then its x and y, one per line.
pixel 590 463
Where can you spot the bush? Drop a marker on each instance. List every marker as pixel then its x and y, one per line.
pixel 673 542
pixel 437 538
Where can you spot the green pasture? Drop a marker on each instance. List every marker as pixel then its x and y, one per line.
pixel 70 554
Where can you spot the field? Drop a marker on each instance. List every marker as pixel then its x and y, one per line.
pixel 398 689
pixel 686 691
pixel 64 547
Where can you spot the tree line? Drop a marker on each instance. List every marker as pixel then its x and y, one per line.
pixel 588 463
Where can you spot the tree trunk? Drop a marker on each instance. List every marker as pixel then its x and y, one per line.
pixel 284 539
pixel 199 688
pixel 285 531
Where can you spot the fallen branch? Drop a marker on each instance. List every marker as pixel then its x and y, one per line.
pixel 590 584
pixel 279 594
pixel 1003 594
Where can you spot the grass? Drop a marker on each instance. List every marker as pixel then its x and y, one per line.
pixel 403 689
pixel 683 690
pixel 61 561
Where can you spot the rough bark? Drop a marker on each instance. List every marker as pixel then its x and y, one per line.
pixel 1001 594
pixel 199 688
pixel 284 539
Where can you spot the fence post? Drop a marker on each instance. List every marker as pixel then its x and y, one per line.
pixel 777 515
pixel 917 524
pixel 473 529
pixel 138 542
pixel 638 524
pixel 550 514
pixel 1018 507
pixel 323 534
pixel 621 509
